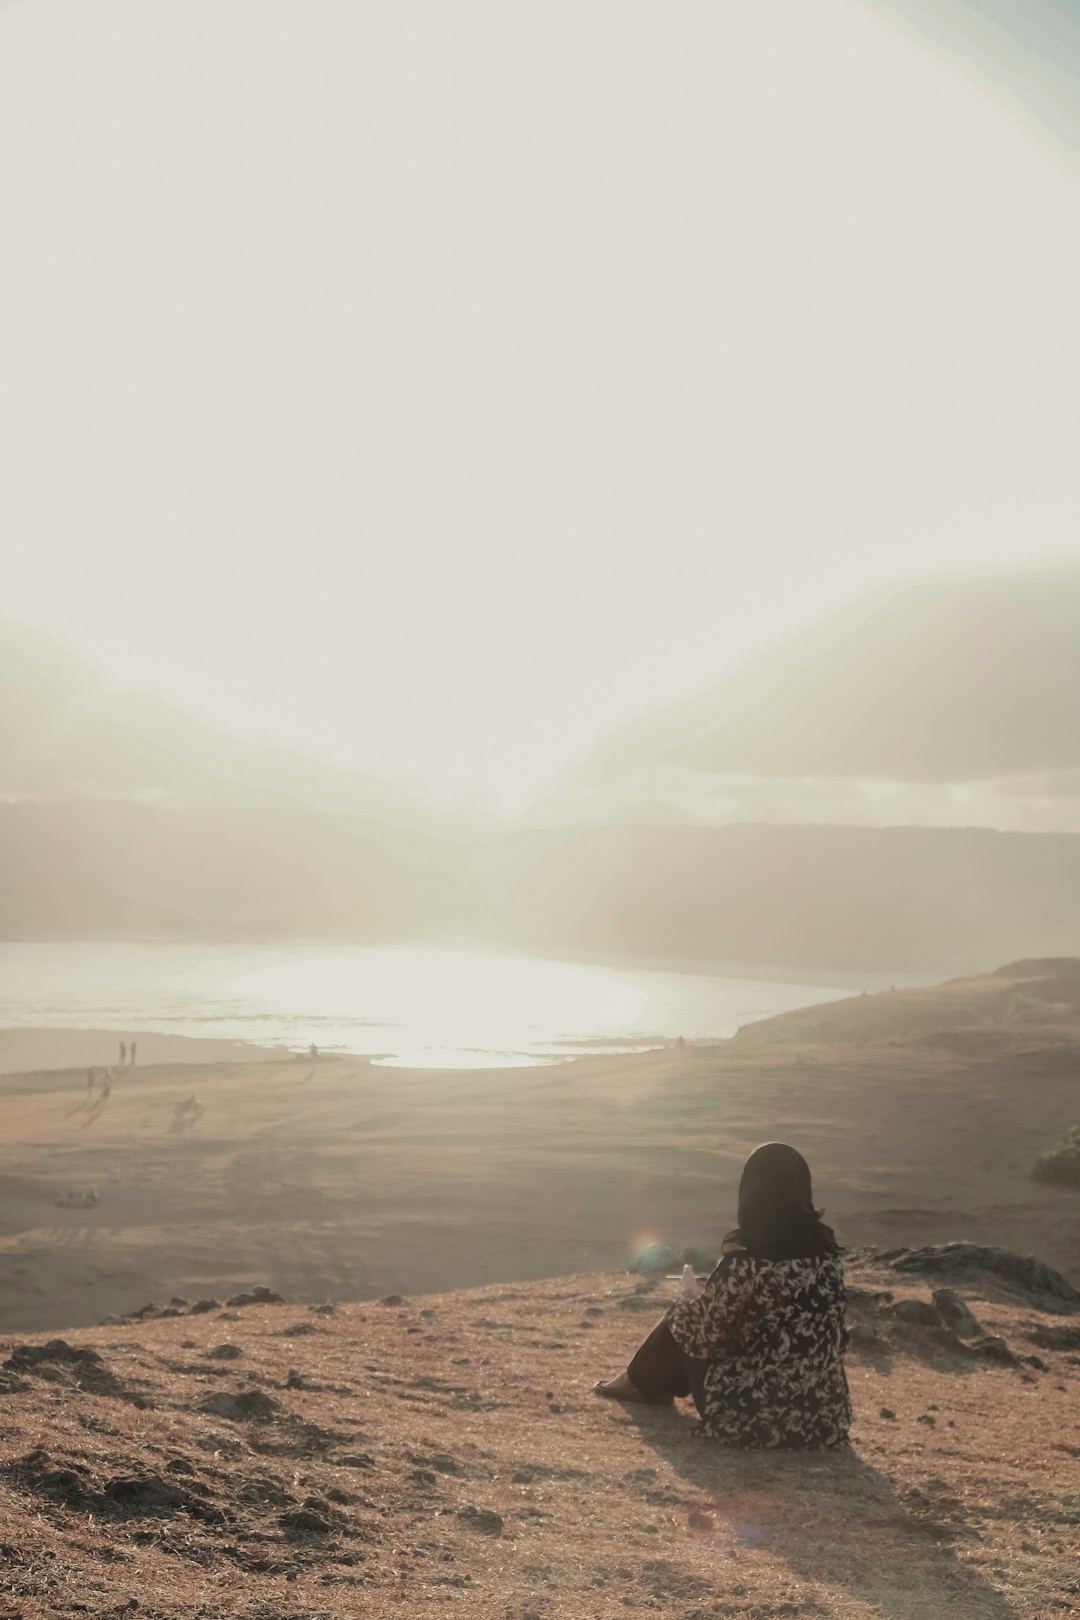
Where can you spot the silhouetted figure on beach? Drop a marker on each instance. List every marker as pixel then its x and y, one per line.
pixel 106 1089
pixel 134 1049
pixel 89 1082
pixel 313 1052
pixel 123 1053
pixel 761 1346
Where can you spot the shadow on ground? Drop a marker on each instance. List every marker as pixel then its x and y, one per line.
pixel 833 1519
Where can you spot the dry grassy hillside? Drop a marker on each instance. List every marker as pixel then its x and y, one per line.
pixel 354 1180
pixel 445 1455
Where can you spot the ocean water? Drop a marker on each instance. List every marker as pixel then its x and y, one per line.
pixel 415 1006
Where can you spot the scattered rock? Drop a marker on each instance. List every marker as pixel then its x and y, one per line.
pixel 294 1379
pixel 355 1459
pixel 10 1385
pixel 888 1414
pixel 863 1337
pixel 201 1306
pixel 314 1516
pixel 256 1296
pixel 952 1311
pixel 29 1356
pixel 928 1419
pixel 146 1492
pixel 1036 1281
pixel 441 1463
pixel 992 1348
pixel 64 1484
pixel 252 1405
pixel 299 1330
pixel 265 1492
pixel 391 1299
pixel 225 1352
pixel 485 1520
pixel 916 1312
pixel 323 1310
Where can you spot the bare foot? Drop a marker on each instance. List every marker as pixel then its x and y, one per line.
pixel 621 1389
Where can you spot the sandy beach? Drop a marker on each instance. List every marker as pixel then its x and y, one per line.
pixel 343 1179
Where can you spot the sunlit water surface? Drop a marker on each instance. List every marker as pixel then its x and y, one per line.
pixel 421 1007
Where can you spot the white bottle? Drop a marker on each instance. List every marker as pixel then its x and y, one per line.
pixel 689 1287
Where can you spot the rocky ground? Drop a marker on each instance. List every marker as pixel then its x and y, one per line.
pixel 278 1462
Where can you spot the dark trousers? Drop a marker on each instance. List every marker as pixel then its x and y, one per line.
pixel 660 1370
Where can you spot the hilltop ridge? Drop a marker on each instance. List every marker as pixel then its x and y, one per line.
pixel 444 1454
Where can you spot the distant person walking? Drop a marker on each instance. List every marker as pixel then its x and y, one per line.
pixel 133 1051
pixel 123 1053
pixel 313 1052
pixel 89 1082
pixel 105 1089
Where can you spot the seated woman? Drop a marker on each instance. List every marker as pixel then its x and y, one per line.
pixel 761 1346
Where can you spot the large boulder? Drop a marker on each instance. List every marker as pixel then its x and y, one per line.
pixel 954 1313
pixel 1037 1283
pixel 655 1260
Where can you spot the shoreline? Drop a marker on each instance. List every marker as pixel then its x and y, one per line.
pixel 840 978
pixel 40 1049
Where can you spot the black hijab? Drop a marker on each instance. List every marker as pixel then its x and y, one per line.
pixel 777 1218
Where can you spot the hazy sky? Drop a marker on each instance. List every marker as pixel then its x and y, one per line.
pixel 433 386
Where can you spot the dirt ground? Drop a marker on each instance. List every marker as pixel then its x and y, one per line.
pixel 341 1178
pixel 421 1455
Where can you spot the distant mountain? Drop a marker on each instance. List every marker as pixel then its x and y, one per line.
pixel 966 682
pixel 836 898
pixel 100 869
pixel 1025 53
pixel 63 736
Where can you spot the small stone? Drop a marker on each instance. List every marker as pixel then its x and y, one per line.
pixel 916 1313
pixel 308 1520
pixel 485 1520
pixel 146 1491
pixel 888 1414
pixel 993 1348
pixel 225 1352
pixel 201 1306
pixel 252 1405
pixel 391 1299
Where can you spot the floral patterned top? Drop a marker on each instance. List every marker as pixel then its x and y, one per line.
pixel 774 1334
